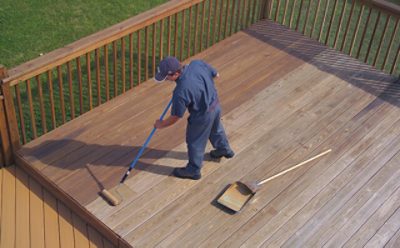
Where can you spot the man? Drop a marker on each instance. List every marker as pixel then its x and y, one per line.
pixel 196 92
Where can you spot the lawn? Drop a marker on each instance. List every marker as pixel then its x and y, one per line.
pixel 31 27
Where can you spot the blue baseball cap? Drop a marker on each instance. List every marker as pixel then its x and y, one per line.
pixel 169 65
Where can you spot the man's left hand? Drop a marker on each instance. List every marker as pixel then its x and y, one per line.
pixel 159 124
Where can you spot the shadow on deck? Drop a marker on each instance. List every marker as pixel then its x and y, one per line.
pixel 326 59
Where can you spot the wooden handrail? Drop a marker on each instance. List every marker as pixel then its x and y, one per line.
pixel 385 6
pixel 94 41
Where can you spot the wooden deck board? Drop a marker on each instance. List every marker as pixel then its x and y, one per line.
pixel 284 98
pixel 24 225
pixel 22 208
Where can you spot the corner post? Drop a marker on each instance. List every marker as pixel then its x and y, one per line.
pixel 10 141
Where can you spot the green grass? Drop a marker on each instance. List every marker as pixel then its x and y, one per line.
pixel 31 27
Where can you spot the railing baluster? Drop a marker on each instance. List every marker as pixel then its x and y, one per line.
pixel 98 80
pixel 372 37
pixel 328 33
pixel 196 30
pixel 209 24
pixel 307 16
pixel 41 104
pixel 20 113
pixel 292 14
pixel 131 60
pixel 226 19
pixel 123 76
pixel 232 17
pixel 364 32
pixel 139 58
pixel 161 39
pixel 214 22
pixel 182 35
pixel 78 65
pixel 246 22
pixel 298 18
pixel 51 96
pixel 89 81
pixel 381 40
pixel 189 36
pixel 357 30
pixel 340 24
pixel 176 36
pixel 238 18
pixel 153 55
pixel 285 11
pixel 169 36
pixel 253 19
pixel 278 4
pixel 71 91
pixel 146 53
pixel 61 92
pixel 390 44
pixel 115 66
pixel 107 78
pixel 243 18
pixel 263 7
pixel 323 21
pixel 395 61
pixel 269 8
pixel 348 25
pixel 248 17
pixel 315 18
pixel 203 13
pixel 31 109
pixel 221 9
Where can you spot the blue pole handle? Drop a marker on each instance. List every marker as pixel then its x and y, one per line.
pixel 144 145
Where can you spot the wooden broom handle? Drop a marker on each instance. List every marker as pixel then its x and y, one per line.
pixel 294 167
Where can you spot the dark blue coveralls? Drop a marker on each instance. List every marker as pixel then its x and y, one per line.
pixel 196 92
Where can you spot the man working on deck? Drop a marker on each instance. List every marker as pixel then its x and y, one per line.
pixel 196 92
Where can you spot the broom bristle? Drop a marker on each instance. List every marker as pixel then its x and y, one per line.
pixel 110 198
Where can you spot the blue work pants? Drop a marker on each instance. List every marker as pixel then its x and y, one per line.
pixel 200 129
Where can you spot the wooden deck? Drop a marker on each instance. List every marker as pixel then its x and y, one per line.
pixel 30 216
pixel 285 98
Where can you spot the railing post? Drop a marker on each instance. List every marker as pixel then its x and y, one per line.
pixel 10 141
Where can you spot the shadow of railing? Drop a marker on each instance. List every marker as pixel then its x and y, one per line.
pixel 349 69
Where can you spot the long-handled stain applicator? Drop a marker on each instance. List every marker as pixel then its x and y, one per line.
pixel 112 198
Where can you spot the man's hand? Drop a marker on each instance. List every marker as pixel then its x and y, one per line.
pixel 172 119
pixel 158 124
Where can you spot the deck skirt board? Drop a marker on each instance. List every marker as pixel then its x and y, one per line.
pixel 284 98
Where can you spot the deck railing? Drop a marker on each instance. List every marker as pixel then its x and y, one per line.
pixel 365 29
pixel 45 93
pixel 59 86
